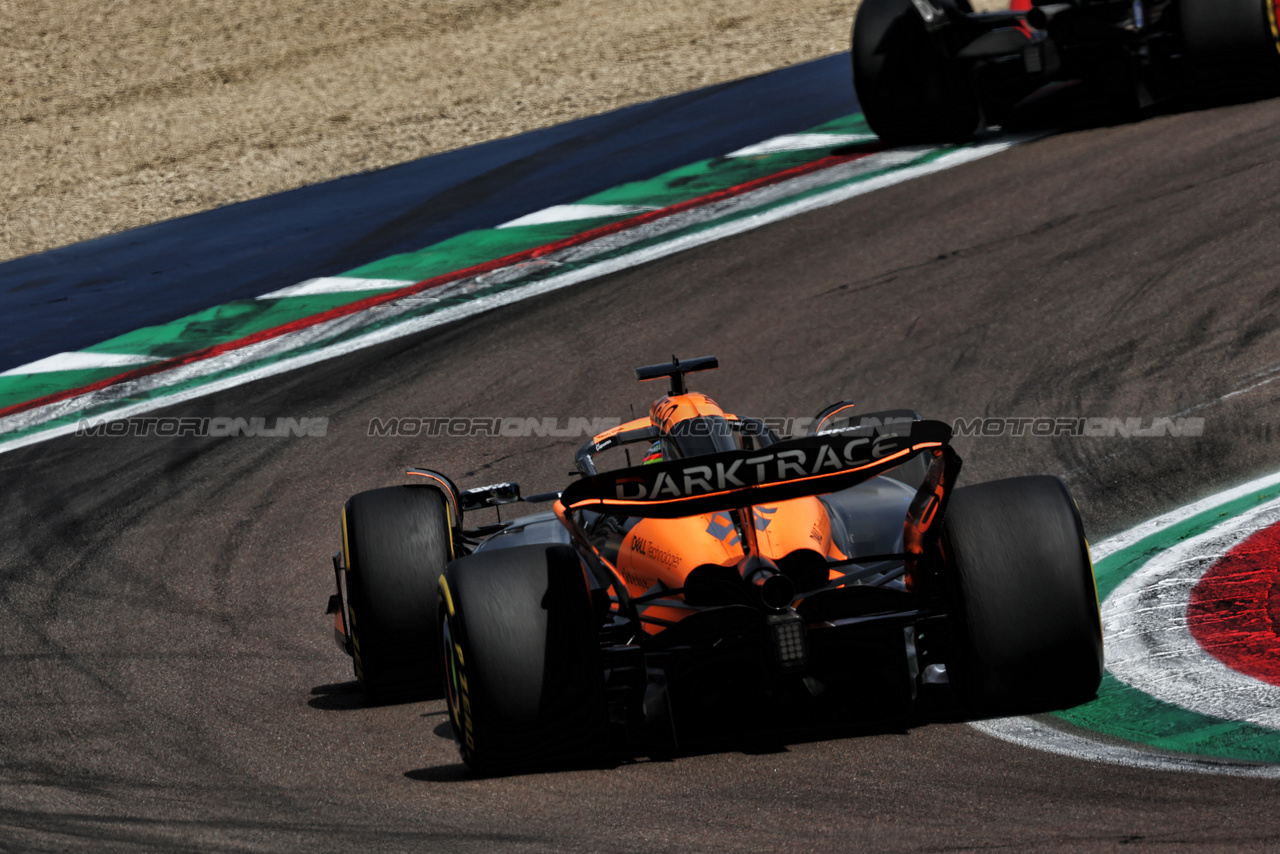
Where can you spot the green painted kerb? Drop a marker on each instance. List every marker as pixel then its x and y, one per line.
pixel 239 318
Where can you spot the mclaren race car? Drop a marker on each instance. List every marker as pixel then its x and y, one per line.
pixel 732 582
pixel 936 71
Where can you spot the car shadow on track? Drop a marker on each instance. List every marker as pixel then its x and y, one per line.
pixel 348 696
pixel 1070 107
pixel 337 697
pixel 940 709
pixel 766 744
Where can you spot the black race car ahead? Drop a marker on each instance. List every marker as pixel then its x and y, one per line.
pixel 732 583
pixel 930 71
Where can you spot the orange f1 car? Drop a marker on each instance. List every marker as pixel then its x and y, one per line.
pixel 733 582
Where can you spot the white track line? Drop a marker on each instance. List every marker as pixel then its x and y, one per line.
pixel 335 285
pixel 572 213
pixel 1034 735
pixel 1224 398
pixel 801 142
pixel 79 360
pixel 478 305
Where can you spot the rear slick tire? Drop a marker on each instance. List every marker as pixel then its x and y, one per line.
pixel 1226 28
pixel 523 680
pixel 1026 631
pixel 908 91
pixel 1233 43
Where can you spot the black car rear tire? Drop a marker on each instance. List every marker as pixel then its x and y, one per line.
pixel 397 541
pixel 522 674
pixel 908 91
pixel 1026 631
pixel 1228 30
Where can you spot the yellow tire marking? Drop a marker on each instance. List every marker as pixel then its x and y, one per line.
pixel 1275 25
pixel 346 542
pixel 351 613
pixel 1093 576
pixel 448 599
pixel 448 515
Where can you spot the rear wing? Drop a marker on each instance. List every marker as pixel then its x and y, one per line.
pixel 815 465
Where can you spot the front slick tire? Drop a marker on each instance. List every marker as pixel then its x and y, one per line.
pixel 397 542
pixel 1026 630
pixel 908 90
pixel 522 675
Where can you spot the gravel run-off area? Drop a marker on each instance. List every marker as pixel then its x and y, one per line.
pixel 119 113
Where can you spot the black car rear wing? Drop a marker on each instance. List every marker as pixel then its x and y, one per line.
pixel 815 465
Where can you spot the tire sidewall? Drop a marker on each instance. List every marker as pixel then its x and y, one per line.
pixel 523 683
pixel 908 91
pixel 396 542
pixel 1022 598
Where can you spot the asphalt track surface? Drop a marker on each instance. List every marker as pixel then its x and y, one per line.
pixel 171 683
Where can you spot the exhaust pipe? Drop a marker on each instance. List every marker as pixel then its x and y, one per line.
pixel 775 590
pixel 1040 16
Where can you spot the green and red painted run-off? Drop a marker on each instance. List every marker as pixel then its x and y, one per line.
pixel 302 323
pixel 1234 612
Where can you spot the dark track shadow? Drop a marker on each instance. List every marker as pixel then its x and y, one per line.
pixel 853 149
pixel 1025 709
pixel 337 697
pixel 760 744
pixel 1068 107
pixel 772 741
pixel 457 773
pixel 1223 94
pixel 346 696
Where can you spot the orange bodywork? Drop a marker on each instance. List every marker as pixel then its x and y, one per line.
pixel 665 551
pixel 621 428
pixel 667 412
pixel 662 552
